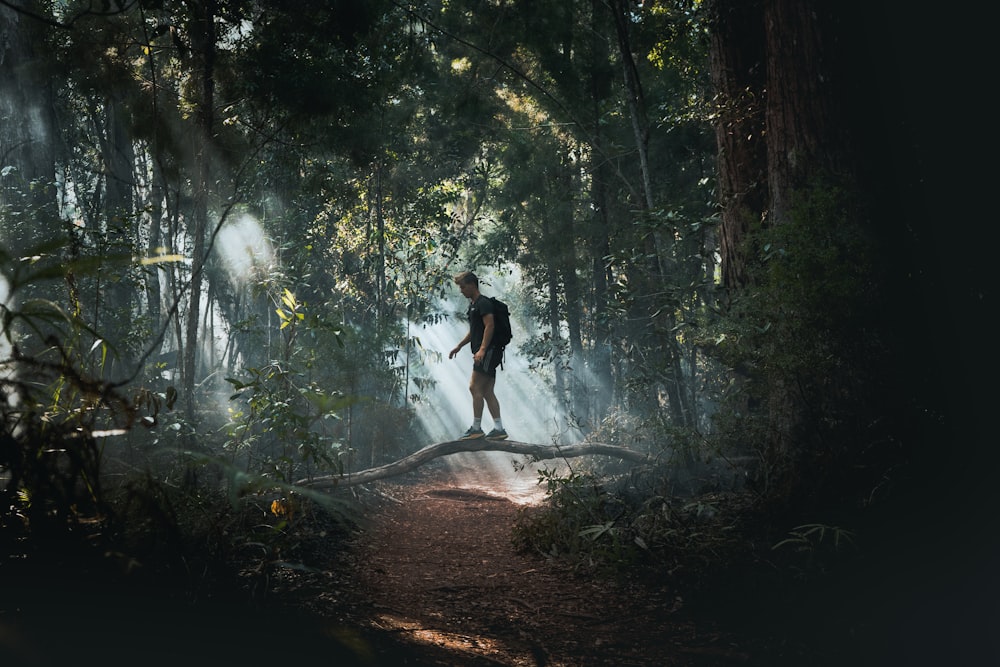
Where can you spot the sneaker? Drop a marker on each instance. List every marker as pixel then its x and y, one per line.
pixel 472 434
pixel 497 434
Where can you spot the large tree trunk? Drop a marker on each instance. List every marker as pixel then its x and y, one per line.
pixel 805 143
pixel 804 135
pixel 737 67
pixel 806 151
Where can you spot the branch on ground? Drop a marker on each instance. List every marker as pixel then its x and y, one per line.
pixel 431 452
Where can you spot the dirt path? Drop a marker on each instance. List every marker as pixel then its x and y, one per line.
pixel 438 575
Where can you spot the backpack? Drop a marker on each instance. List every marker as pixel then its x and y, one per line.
pixel 501 324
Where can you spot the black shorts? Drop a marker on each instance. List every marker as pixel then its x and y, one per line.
pixel 491 360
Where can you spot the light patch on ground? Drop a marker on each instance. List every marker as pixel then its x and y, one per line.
pixel 496 473
pixel 460 643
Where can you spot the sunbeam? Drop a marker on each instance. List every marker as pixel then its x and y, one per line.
pixel 243 247
pixel 528 409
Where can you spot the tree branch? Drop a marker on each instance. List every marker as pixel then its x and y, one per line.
pixel 431 452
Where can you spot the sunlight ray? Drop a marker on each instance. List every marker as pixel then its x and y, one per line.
pixel 528 409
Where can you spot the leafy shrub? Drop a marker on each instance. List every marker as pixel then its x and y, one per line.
pixel 626 527
pixel 580 522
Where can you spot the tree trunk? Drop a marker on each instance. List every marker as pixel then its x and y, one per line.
pixel 117 153
pixel 578 384
pixel 788 49
pixel 431 452
pixel 27 161
pixel 805 143
pixel 157 192
pixel 737 67
pixel 27 130
pixel 203 42
pixel 634 97
pixel 599 80
pixel 555 341
pixel 804 137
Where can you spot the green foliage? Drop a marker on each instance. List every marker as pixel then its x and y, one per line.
pixel 653 433
pixel 72 474
pixel 210 539
pixel 638 526
pixel 51 360
pixel 817 549
pixel 281 431
pixel 816 285
pixel 804 338
pixel 814 536
pixel 581 524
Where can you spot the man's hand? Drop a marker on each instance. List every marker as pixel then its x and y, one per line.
pixel 455 350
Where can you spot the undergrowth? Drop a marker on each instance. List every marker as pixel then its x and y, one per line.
pixel 588 524
pixel 708 546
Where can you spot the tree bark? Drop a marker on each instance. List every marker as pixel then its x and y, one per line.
pixel 118 156
pixel 27 129
pixel 156 219
pixel 203 35
pixel 782 137
pixel 738 71
pixel 807 143
pixel 599 84
pixel 431 452
pixel 804 137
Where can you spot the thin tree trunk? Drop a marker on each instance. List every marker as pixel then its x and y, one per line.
pixel 577 398
pixel 203 35
pixel 634 97
pixel 118 156
pixel 27 129
pixel 27 154
pixel 600 222
pixel 552 281
pixel 156 212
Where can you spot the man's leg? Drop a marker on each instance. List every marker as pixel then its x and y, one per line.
pixel 477 387
pixel 478 400
pixel 490 398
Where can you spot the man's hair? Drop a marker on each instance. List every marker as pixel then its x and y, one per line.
pixel 467 278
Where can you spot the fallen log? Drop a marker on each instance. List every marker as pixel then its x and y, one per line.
pixel 431 452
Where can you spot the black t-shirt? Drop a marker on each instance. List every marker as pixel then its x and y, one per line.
pixel 477 309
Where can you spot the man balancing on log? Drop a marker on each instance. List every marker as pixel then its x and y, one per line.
pixel 489 332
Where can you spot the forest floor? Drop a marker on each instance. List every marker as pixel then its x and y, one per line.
pixel 436 580
pixel 433 578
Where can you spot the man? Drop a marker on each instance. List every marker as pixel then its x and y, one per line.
pixel 485 358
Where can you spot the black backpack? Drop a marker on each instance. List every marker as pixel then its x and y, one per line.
pixel 501 324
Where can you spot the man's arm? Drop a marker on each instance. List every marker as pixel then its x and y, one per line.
pixel 458 347
pixel 488 326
